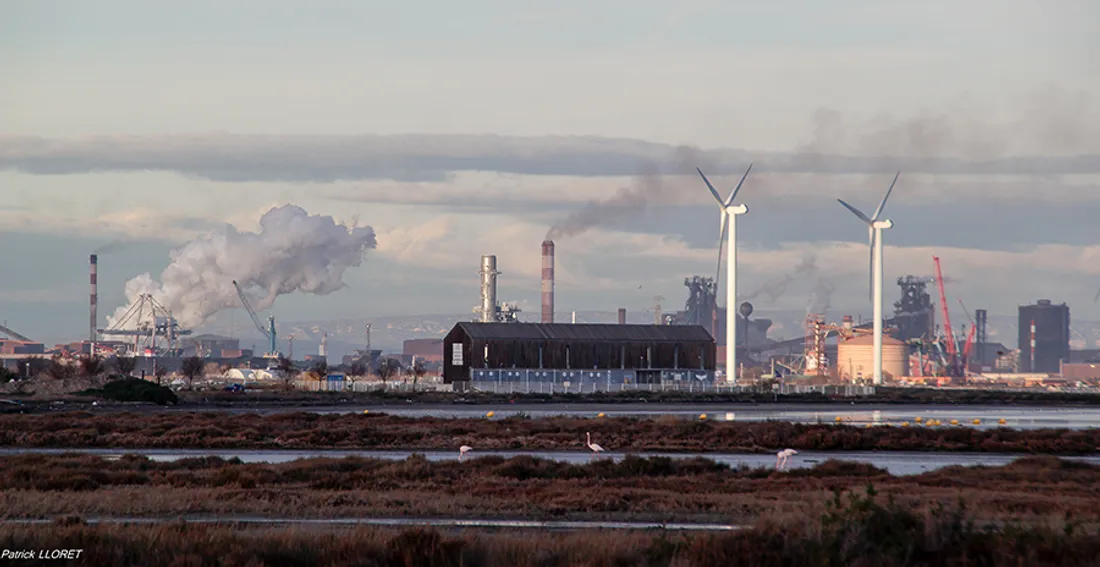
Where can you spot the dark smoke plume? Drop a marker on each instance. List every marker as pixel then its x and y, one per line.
pixel 114 246
pixel 774 288
pixel 647 188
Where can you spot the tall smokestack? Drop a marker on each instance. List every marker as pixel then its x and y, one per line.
pixel 547 281
pixel 93 268
pixel 488 289
pixel 622 316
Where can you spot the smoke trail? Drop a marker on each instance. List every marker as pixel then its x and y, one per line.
pixel 293 252
pixel 114 246
pixel 774 288
pixel 820 297
pixel 645 189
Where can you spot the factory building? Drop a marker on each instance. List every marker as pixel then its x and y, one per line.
pixel 213 346
pixel 1043 336
pixel 428 350
pixel 592 354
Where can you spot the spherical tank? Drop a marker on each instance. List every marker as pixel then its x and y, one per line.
pixel 856 358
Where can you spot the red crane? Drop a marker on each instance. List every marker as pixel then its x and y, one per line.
pixel 952 350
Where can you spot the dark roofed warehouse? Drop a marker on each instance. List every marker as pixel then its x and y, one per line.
pixel 642 353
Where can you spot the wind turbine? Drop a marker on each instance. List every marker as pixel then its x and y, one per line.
pixel 874 236
pixel 728 217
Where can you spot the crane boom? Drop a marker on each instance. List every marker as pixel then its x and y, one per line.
pixel 952 351
pixel 268 333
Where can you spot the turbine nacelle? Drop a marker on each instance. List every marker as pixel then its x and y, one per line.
pixel 879 225
pixel 736 210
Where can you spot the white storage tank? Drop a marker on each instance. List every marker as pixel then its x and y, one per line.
pixel 856 358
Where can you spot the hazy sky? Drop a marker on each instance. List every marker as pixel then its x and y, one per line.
pixel 457 129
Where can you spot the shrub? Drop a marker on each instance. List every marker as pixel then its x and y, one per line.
pixel 134 390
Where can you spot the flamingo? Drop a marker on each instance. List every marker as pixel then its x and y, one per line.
pixel 783 457
pixel 593 446
pixel 463 450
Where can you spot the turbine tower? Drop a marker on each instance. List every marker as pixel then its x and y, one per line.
pixel 728 218
pixel 874 236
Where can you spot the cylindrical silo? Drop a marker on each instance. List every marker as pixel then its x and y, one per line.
pixel 856 358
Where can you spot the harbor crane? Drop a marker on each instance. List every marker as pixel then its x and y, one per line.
pixel 269 332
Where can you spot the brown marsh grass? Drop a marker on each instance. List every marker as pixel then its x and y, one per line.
pixel 303 430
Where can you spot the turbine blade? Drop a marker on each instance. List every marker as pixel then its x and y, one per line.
pixel 723 227
pixel 855 211
pixel 1097 298
pixel 882 205
pixel 738 188
pixel 713 191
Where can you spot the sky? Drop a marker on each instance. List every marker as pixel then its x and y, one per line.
pixel 461 129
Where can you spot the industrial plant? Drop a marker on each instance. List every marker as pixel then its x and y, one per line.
pixel 706 343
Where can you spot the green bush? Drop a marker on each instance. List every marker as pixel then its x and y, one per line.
pixel 134 390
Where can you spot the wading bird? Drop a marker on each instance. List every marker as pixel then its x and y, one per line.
pixel 594 447
pixel 783 457
pixel 463 450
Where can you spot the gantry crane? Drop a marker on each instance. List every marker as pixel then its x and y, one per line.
pixel 269 332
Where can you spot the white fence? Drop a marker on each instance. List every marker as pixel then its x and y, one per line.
pixel 685 387
pixel 578 387
pixel 369 386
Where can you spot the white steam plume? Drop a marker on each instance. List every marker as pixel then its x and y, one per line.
pixel 293 251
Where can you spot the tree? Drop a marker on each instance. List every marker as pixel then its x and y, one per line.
pixel 287 371
pixel 160 373
pixel 192 368
pixel 388 368
pixel 319 372
pixel 60 369
pixel 33 366
pixel 91 366
pixel 125 365
pixel 356 371
pixel 418 370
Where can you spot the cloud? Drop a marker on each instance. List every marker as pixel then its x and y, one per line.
pixel 136 223
pixel 1055 132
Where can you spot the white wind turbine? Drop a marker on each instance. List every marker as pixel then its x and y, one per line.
pixel 728 217
pixel 874 235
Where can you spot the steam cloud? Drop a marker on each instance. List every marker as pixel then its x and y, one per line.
pixel 293 252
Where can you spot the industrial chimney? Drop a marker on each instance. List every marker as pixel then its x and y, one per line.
pixel 547 281
pixel 622 316
pixel 94 314
pixel 488 289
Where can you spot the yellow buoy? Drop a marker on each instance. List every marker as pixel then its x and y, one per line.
pixel 977 421
pixel 954 422
pixel 601 414
pixel 868 426
pixel 839 419
pixel 702 416
pixel 1001 421
pixel 905 424
pixel 366 411
pixel 490 414
pixel 918 419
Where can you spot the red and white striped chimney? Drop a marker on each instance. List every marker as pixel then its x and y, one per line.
pixel 547 281
pixel 94 315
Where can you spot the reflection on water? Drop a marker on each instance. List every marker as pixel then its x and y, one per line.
pixel 896 462
pixel 1018 417
pixel 434 522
